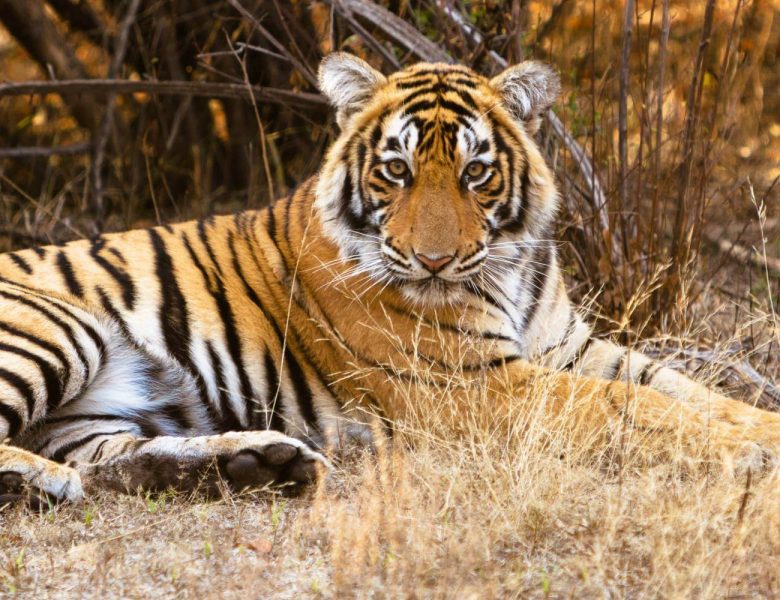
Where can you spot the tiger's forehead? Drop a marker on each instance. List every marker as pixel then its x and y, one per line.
pixel 424 73
pixel 435 110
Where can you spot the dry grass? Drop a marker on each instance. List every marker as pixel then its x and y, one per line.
pixel 467 521
pixel 524 513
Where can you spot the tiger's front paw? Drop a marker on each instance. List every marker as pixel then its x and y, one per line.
pixel 262 458
pixel 740 450
pixel 28 477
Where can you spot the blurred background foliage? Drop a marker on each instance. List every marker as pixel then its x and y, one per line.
pixel 675 103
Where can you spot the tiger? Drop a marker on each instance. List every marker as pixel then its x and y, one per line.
pixel 243 349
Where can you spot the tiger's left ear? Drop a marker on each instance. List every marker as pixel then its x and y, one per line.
pixel 348 82
pixel 528 90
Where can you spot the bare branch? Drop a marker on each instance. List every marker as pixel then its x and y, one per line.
pixel 396 29
pixel 343 9
pixel 626 208
pixel 105 124
pixel 28 22
pixel 745 255
pixel 739 370
pixel 42 151
pixel 304 70
pixel 176 88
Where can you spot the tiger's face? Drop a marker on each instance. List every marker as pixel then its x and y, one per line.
pixel 435 183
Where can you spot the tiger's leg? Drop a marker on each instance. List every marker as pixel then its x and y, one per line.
pixel 141 425
pixel 593 413
pixel 26 475
pixel 71 384
pixel 117 452
pixel 243 459
pixel 583 354
pixel 49 352
pixel 665 424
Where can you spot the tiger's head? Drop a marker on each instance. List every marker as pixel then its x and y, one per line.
pixel 435 180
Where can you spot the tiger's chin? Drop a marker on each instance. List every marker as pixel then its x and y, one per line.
pixel 433 292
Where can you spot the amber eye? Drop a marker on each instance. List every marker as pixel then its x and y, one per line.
pixel 475 169
pixel 397 168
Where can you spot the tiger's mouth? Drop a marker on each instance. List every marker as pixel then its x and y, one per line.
pixel 432 290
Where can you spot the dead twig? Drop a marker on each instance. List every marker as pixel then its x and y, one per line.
pixel 627 217
pixel 739 370
pixel 42 151
pixel 342 8
pixel 302 68
pixel 177 88
pixel 395 28
pixel 29 23
pixel 745 255
pixel 105 125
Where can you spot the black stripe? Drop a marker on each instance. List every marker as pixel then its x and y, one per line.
pixel 539 280
pixel 13 417
pixel 85 417
pixel 41 252
pixel 62 452
pixel 66 270
pixel 177 414
pixel 614 369
pixel 55 350
pixel 23 387
pixel 225 311
pixel 516 224
pixel 98 453
pixel 109 307
pixel 148 425
pixel 578 355
pixel 50 376
pixel 121 276
pixel 230 421
pixel 408 84
pixel 62 325
pixel 271 225
pixel 118 254
pixel 204 238
pixel 647 373
pixel 564 339
pixel 356 222
pixel 173 310
pixel 274 402
pixel 422 105
pixel 174 318
pixel 20 262
pixel 64 308
pixel 497 362
pixel 302 391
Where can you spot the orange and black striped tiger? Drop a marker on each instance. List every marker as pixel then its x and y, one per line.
pixel 243 346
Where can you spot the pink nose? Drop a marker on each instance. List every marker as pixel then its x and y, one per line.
pixel 434 264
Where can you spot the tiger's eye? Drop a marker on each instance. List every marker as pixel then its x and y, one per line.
pixel 475 169
pixel 397 168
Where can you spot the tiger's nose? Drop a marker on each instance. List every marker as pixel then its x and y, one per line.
pixel 434 264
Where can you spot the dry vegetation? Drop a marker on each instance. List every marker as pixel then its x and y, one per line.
pixel 676 249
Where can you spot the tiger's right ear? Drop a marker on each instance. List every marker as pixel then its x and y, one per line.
pixel 348 82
